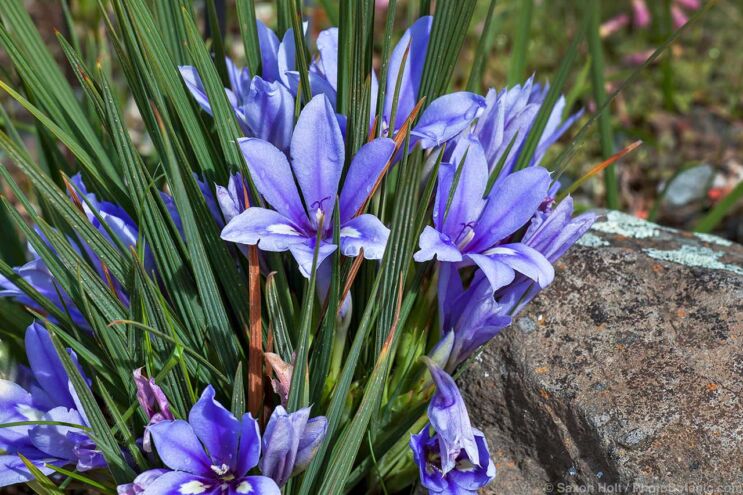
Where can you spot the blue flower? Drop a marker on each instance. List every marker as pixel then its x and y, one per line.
pixel 212 452
pixel 512 112
pixel 475 229
pixel 317 158
pixel 442 120
pixel 37 274
pixel 455 459
pixel 49 396
pixel 290 442
pixel 264 106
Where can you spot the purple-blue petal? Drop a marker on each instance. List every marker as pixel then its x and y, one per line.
pixel 498 273
pixel 448 415
pixel 304 252
pixel 258 485
pixel 269 112
pixel 281 443
pixel 467 200
pixel 180 483
pixel 311 439
pixel 416 36
pixel 58 441
pixel 179 447
pixel 249 448
pixel 366 167
pixel 46 366
pixel 327 45
pixel 272 176
pixel 217 429
pixel 318 85
pixel 269 44
pixel 525 260
pixel 318 153
pixel 433 243
pixel 511 203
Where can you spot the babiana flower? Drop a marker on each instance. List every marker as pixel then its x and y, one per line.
pixel 454 459
pixel 509 116
pixel 37 274
pixel 317 158
pixel 212 452
pixel 46 394
pixel 475 229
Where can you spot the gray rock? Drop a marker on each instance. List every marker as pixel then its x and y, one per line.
pixel 688 186
pixel 626 374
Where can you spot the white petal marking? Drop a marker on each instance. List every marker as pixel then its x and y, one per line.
pixel 192 488
pixel 350 232
pixel 282 228
pixel 244 487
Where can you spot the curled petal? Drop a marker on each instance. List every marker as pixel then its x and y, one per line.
pixel 434 243
pixel 446 117
pixel 304 252
pixel 448 415
pixel 365 231
pixel 524 260
pixel 270 230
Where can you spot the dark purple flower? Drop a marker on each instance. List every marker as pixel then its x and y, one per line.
pixel 50 397
pixel 469 318
pixel 212 452
pixel 289 443
pixel 455 459
pixel 471 229
pixel 318 154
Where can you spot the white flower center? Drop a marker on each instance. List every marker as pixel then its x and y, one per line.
pixel 220 470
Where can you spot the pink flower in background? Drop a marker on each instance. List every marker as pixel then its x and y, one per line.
pixel 641 16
